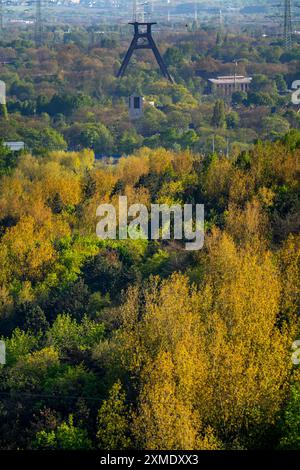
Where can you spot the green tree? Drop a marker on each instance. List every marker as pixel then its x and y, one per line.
pixel 275 126
pixel 280 83
pixel 232 120
pixel 3 111
pixel 238 97
pixel 173 56
pixel 219 116
pixel 66 436
pixel 113 420
pixel 129 141
pixel 8 159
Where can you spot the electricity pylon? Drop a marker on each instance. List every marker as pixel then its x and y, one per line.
pixel 38 27
pixel 1 15
pixel 288 30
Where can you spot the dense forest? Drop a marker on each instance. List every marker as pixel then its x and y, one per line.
pixel 141 344
pixel 137 343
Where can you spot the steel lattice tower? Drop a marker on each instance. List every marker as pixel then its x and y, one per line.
pixel 288 30
pixel 141 11
pixel 38 31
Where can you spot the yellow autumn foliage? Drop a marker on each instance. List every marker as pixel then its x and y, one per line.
pixel 211 358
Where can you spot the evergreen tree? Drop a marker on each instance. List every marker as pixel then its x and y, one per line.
pixel 219 115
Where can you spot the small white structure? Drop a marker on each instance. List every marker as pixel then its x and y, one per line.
pixel 15 146
pixel 2 353
pixel 135 106
pixel 2 92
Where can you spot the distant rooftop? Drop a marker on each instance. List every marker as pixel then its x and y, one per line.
pixel 227 79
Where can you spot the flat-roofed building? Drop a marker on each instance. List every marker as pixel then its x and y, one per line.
pixel 228 84
pixel 15 146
